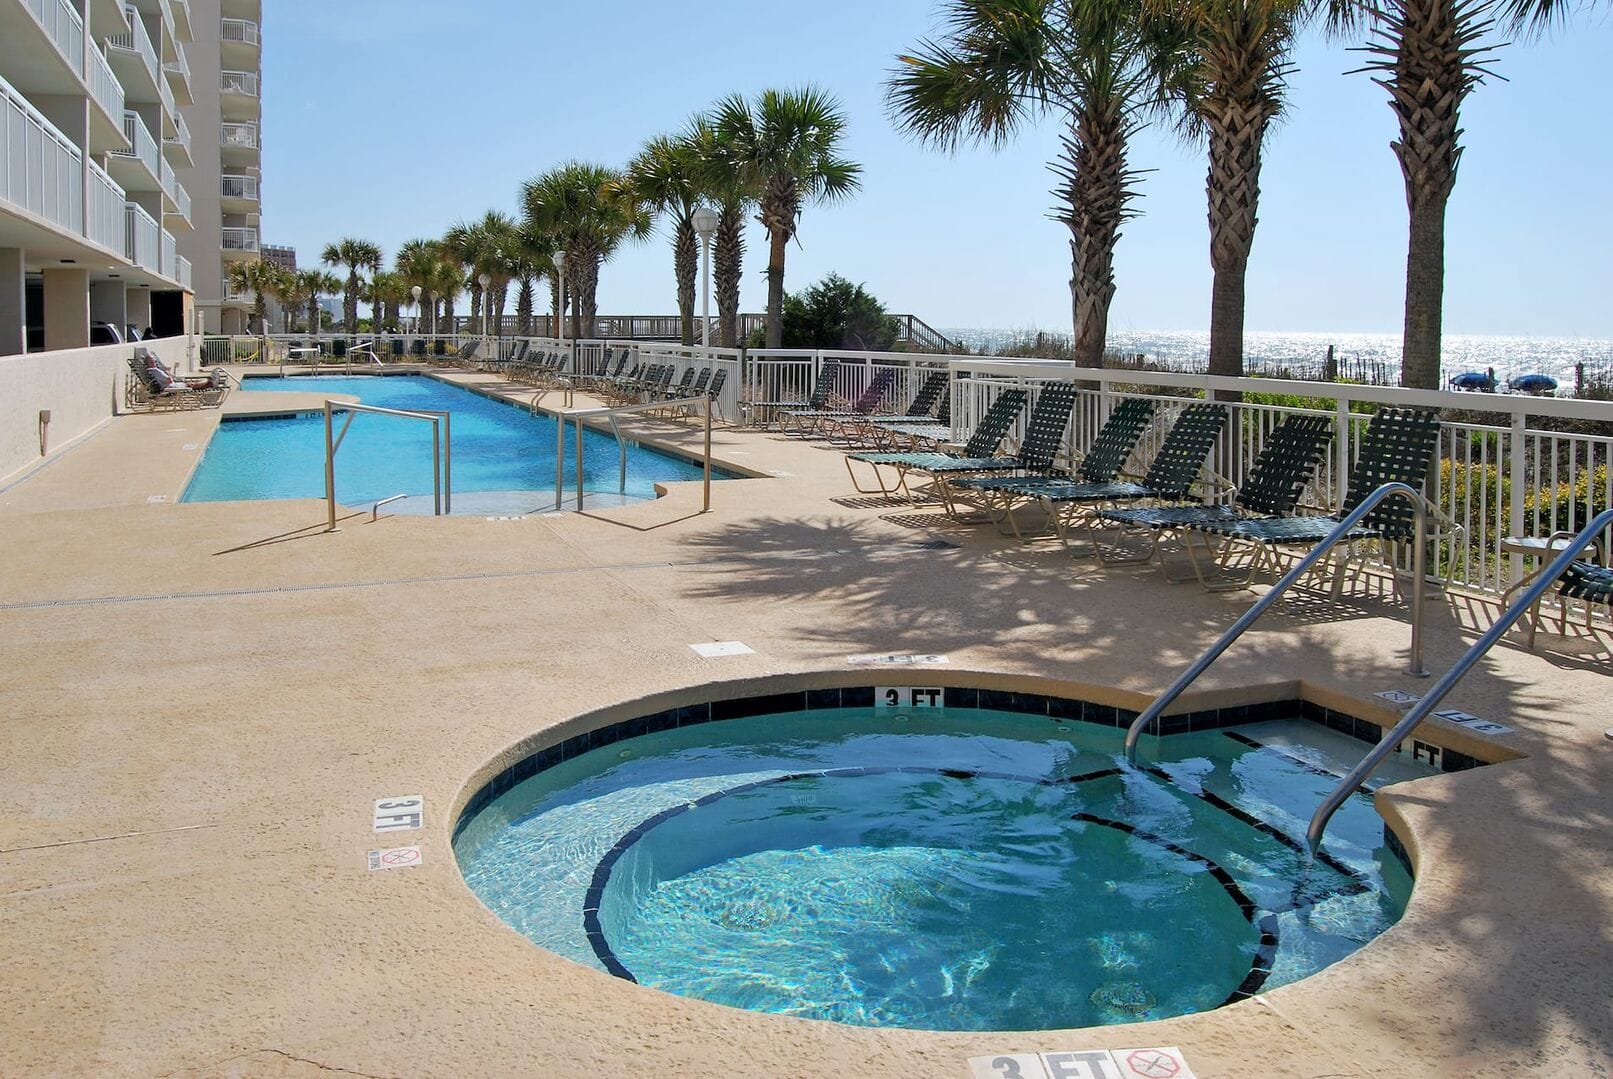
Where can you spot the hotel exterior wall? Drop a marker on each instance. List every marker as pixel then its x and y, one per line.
pixel 82 388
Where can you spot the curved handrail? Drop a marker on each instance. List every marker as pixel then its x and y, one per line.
pixel 1320 551
pixel 1431 699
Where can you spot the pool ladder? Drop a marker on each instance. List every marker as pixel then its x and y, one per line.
pixel 1524 601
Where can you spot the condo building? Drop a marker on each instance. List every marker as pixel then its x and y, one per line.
pixel 129 166
pixel 224 173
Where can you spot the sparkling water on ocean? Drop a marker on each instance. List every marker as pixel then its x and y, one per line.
pixel 1510 356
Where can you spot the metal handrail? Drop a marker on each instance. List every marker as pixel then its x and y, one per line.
pixel 1430 700
pixel 442 453
pixel 610 414
pixel 1415 662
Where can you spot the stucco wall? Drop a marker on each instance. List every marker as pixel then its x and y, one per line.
pixel 82 387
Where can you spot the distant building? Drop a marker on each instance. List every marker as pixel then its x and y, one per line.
pixel 283 257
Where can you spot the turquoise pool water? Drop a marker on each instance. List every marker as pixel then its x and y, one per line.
pixel 503 457
pixel 956 869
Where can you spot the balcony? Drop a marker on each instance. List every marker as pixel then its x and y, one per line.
pixel 177 207
pixel 238 95
pixel 238 144
pixel 183 274
pixel 184 30
pixel 178 72
pixel 168 264
pixel 106 201
pixel 142 238
pixel 238 194
pixel 176 147
pixel 139 168
pixel 106 129
pixel 240 32
pixel 134 60
pixel 44 173
pixel 64 28
pixel 239 241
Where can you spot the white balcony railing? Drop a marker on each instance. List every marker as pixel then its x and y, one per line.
pixel 244 136
pixel 181 135
pixel 244 83
pixel 137 40
pixel 65 28
pixel 239 31
pixel 178 66
pixel 181 199
pixel 142 146
pixel 104 86
pixel 142 237
pixel 186 30
pixel 169 266
pixel 183 276
pixel 106 201
pixel 239 239
pixel 42 171
pixel 238 187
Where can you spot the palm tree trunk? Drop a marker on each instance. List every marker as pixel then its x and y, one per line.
pixel 313 313
pixel 475 304
pixel 778 243
pixel 728 258
pixel 585 290
pixel 523 307
pixel 1237 128
pixel 1428 56
pixel 350 305
pixel 1096 188
pixel 685 265
pixel 555 300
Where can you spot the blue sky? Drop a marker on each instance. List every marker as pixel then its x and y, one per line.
pixel 390 120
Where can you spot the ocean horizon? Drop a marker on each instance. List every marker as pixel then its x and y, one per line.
pixel 1510 355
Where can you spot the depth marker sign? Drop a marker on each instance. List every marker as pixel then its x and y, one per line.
pixel 1161 1062
pixel 396 858
pixel 401 814
pixel 910 697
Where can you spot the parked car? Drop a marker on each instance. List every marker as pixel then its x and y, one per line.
pixel 104 333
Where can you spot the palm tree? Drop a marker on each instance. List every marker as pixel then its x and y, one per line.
pixel 1224 64
pixel 388 293
pixel 1006 63
pixel 588 212
pixel 413 263
pixel 293 296
pixel 356 255
pixel 786 148
pixel 1426 53
pixel 724 181
pixel 665 177
pixel 444 280
pixel 260 278
pixel 533 258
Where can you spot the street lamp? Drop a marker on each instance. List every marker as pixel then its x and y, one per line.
pixel 487 300
pixel 560 309
pixel 415 290
pixel 704 221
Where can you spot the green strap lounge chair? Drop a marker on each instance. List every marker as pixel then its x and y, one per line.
pixel 1397 447
pixel 809 421
pixel 988 435
pixel 918 433
pixel 1101 464
pixel 1582 580
pixel 1273 488
pixel 869 429
pixel 822 389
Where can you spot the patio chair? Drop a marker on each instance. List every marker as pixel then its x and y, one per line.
pixel 156 388
pixel 1273 488
pixel 915 435
pixel 810 421
pixel 1098 467
pixel 981 447
pixel 1582 580
pixel 822 389
pixel 868 429
pixel 1172 474
pixel 1397 447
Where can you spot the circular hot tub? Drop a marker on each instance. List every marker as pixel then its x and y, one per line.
pixel 988 863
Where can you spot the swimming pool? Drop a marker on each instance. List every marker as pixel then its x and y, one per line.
pixel 952 868
pixel 503 457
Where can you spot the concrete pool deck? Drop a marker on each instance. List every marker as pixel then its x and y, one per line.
pixel 204 701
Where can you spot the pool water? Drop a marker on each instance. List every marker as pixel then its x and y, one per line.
pixel 503 457
pixel 956 869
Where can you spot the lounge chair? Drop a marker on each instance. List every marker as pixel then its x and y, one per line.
pixel 809 421
pixel 868 429
pixel 822 388
pixel 1273 488
pixel 1397 447
pixel 1100 465
pixel 155 388
pixel 1582 580
pixel 1171 475
pixel 917 433
pixel 981 448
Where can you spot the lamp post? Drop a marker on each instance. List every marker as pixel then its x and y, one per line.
pixel 560 308
pixel 704 220
pixel 487 301
pixel 415 290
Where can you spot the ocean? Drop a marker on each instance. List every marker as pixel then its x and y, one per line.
pixel 1373 355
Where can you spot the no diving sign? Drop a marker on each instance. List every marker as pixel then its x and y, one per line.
pixel 1159 1062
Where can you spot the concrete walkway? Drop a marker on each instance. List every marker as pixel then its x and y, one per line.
pixel 203 701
